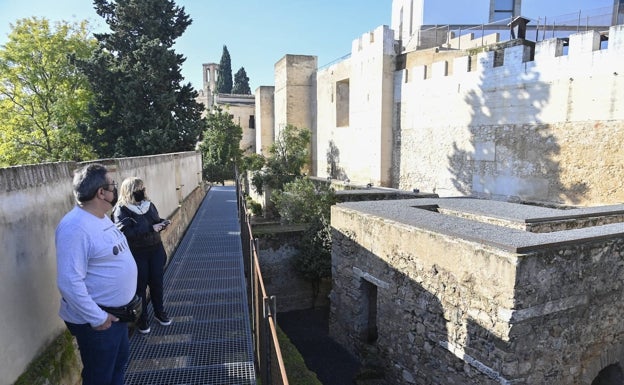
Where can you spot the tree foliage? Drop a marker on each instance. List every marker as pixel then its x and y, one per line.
pixel 224 76
pixel 287 157
pixel 305 202
pixel 241 83
pixel 141 107
pixel 43 96
pixel 221 147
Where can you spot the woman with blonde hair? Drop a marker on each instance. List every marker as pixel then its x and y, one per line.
pixel 137 217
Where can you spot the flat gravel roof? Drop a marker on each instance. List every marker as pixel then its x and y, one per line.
pixel 418 213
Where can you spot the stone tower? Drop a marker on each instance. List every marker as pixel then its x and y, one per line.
pixel 210 83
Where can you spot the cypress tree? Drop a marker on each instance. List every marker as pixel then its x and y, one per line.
pixel 224 77
pixel 241 83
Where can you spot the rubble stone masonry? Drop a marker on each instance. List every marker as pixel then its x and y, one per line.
pixel 461 291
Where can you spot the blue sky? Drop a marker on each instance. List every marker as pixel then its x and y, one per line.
pixel 260 32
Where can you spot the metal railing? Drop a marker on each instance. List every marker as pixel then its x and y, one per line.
pixel 268 355
pixel 459 36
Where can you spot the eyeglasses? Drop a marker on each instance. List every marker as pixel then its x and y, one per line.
pixel 113 183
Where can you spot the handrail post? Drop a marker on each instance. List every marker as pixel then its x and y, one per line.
pixel 252 285
pixel 578 24
pixel 266 332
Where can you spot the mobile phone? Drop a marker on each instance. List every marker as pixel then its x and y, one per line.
pixel 165 222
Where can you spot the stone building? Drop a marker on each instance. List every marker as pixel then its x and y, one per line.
pixel 241 107
pixel 468 291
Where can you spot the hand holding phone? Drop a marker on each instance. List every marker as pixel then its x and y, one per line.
pixel 165 223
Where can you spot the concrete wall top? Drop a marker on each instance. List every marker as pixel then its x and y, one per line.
pixel 235 99
pixel 166 185
pixel 422 213
pixel 28 176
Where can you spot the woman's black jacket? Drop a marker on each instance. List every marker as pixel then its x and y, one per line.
pixel 138 228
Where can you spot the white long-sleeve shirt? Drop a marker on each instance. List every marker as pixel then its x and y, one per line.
pixel 94 266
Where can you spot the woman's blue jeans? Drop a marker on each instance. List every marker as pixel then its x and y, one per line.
pixel 104 353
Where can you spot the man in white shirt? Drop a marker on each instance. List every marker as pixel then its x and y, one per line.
pixel 95 267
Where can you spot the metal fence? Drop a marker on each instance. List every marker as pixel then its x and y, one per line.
pixel 269 362
pixel 547 27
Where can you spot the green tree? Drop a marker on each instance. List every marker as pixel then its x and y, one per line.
pixel 141 107
pixel 43 96
pixel 224 76
pixel 221 147
pixel 241 83
pixel 304 202
pixel 287 157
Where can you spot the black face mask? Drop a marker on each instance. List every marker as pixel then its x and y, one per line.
pixel 139 196
pixel 113 202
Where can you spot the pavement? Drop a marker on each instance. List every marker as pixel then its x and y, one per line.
pixel 309 332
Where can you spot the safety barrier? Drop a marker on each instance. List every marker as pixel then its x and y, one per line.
pixel 269 361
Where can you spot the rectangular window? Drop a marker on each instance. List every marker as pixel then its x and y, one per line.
pixel 499 57
pixel 252 121
pixel 342 103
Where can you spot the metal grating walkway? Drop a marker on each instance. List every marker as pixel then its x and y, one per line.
pixel 209 341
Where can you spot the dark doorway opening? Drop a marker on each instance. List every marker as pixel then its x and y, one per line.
pixel 610 375
pixel 370 303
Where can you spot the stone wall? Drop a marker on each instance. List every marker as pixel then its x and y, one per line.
pixel 265 120
pixel 455 299
pixel 518 120
pixel 294 98
pixel 529 129
pixel 242 110
pixel 360 148
pixel 277 250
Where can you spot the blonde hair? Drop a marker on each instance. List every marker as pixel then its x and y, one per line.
pixel 128 186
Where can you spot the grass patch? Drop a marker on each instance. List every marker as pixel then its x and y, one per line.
pixel 58 364
pixel 296 369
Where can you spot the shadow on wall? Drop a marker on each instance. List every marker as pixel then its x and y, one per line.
pixel 333 163
pixel 409 321
pixel 611 375
pixel 396 326
pixel 511 159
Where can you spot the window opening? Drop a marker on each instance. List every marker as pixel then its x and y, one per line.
pixel 342 103
pixel 369 332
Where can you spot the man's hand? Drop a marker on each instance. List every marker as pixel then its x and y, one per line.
pixel 109 321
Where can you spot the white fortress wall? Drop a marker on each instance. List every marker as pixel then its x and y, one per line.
pixel 295 96
pixel 328 133
pixel 547 129
pixel 265 120
pixel 355 110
